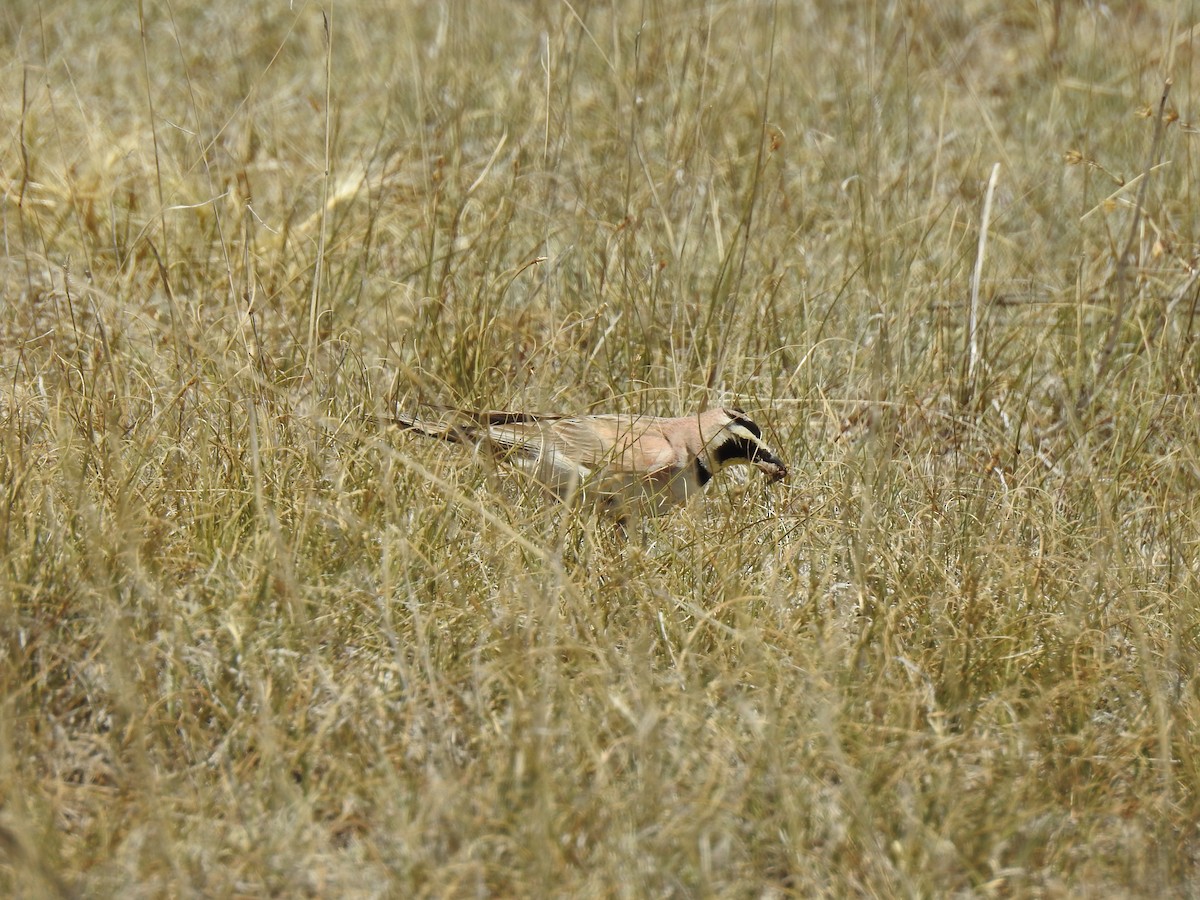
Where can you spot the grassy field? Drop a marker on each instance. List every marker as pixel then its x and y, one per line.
pixel 253 643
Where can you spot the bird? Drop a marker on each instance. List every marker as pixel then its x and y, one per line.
pixel 622 463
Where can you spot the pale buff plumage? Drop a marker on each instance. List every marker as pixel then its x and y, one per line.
pixel 623 463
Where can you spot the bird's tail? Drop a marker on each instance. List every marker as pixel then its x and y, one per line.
pixel 452 432
pixel 464 425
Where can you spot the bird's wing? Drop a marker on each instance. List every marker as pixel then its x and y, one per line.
pixel 618 444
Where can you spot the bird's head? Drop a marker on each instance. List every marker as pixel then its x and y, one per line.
pixel 732 438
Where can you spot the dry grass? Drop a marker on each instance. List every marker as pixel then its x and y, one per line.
pixel 254 645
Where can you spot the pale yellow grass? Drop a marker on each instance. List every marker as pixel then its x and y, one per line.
pixel 254 644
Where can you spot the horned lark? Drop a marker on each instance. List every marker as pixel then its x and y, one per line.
pixel 623 463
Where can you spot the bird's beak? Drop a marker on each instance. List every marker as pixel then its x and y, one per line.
pixel 770 465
